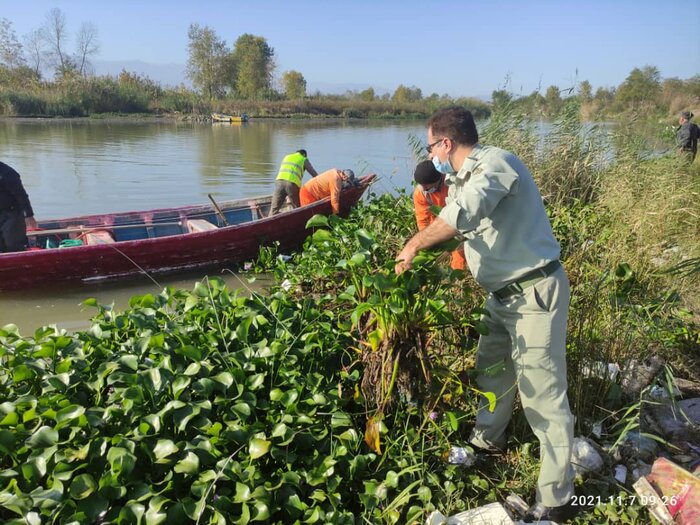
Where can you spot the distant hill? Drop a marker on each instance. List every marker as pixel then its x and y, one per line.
pixel 329 88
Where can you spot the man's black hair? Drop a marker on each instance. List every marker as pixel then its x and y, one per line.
pixel 456 123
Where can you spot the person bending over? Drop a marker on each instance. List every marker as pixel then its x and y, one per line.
pixel 327 184
pixel 431 190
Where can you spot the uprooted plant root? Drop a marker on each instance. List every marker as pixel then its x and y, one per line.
pixel 395 371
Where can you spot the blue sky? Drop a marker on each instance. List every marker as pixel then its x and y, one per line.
pixel 461 48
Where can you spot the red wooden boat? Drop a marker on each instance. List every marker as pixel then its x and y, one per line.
pixel 159 241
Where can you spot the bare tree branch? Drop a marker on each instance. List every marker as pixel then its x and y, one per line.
pixel 55 35
pixel 34 50
pixel 88 45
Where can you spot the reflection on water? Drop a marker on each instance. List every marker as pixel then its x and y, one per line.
pixel 79 167
pixel 63 307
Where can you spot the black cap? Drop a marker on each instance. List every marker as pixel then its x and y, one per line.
pixel 426 173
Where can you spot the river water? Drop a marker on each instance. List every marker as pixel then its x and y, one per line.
pixel 78 167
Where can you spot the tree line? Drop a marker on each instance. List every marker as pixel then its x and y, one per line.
pixel 242 78
pixel 642 92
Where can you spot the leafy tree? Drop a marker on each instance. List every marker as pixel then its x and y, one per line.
pixel 293 85
pixel 585 91
pixel 534 103
pixel 672 86
pixel 641 88
pixel 500 97
pixel 10 48
pixel 87 45
pixel 207 62
pixel 404 94
pixel 368 94
pixel 693 86
pixel 553 101
pixel 254 60
pixel 604 95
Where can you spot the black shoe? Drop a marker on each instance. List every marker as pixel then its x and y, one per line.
pixel 560 514
pixel 486 456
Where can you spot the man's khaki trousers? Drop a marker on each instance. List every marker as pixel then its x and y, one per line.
pixel 527 332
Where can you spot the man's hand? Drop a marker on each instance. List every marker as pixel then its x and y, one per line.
pixel 438 231
pixel 30 223
pixel 405 260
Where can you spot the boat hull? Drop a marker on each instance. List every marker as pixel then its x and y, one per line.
pixel 220 117
pixel 220 247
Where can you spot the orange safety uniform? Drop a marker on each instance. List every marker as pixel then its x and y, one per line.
pixel 422 202
pixel 328 183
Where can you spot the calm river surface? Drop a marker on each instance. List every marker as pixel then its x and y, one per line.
pixel 77 167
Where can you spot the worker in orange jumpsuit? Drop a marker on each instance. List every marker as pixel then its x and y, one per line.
pixel 327 184
pixel 431 190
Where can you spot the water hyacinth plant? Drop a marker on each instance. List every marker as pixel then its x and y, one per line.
pixel 204 407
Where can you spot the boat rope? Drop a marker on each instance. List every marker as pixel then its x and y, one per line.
pixel 136 264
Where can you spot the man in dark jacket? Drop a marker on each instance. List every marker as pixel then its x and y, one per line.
pixel 16 213
pixel 687 135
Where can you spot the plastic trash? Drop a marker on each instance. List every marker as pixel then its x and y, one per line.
pixel 491 514
pixel 517 504
pixel 70 243
pixel 678 491
pixel 638 374
pixel 461 456
pixel 601 370
pixel 286 285
pixel 620 473
pixel 585 457
pixel 652 501
pixel 436 518
pixel 597 429
pixel 659 392
pixel 642 469
pixel 639 445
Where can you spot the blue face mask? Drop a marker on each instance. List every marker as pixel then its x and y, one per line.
pixel 443 167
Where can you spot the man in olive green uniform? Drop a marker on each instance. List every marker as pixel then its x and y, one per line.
pixel 289 178
pixel 494 204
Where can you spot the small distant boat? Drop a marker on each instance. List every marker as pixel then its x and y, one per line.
pixel 94 248
pixel 222 117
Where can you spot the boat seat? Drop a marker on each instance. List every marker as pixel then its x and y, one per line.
pixel 199 225
pixel 95 237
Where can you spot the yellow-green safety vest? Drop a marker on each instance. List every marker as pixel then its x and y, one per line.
pixel 292 168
